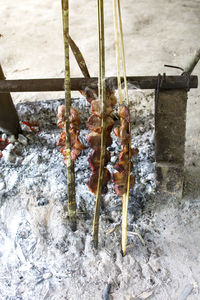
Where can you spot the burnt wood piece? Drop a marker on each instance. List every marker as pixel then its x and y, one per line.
pixel 9 121
pixel 77 84
pixel 170 127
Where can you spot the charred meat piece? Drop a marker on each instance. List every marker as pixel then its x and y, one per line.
pixel 94 123
pixel 94 140
pixel 122 132
pixel 124 155
pixel 120 182
pixel 61 116
pixel 124 113
pixel 122 166
pixel 74 119
pixel 94 159
pixel 89 94
pixel 93 181
pixel 96 108
pixel 120 178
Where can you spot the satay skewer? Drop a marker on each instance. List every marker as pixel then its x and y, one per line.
pixel 69 162
pixel 123 122
pixel 102 95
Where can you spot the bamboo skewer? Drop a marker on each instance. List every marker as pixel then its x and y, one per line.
pixel 102 93
pixel 99 50
pixel 125 197
pixel 70 164
pixel 117 54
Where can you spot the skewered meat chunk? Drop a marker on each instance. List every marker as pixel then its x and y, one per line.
pixel 120 178
pixel 124 154
pixel 94 140
pixel 94 123
pixel 94 159
pixel 96 108
pixel 76 145
pixel 61 116
pixel 89 94
pixel 93 181
pixel 122 166
pixel 120 185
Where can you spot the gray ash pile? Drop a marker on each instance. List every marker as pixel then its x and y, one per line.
pixel 39 255
pixel 33 163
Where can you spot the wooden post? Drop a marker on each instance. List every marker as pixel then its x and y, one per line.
pixel 9 121
pixel 170 126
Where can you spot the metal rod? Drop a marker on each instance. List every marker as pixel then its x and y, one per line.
pixel 77 84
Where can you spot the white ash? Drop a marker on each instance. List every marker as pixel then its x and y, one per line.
pixel 41 258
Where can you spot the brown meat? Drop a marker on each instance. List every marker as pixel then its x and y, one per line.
pixel 61 116
pixel 120 182
pixel 96 108
pixel 94 140
pixel 122 132
pixel 93 181
pixel 124 113
pixel 89 94
pixel 94 159
pixel 74 119
pixel 94 123
pixel 124 155
pixel 122 166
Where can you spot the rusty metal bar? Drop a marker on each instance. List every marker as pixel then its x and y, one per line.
pixel 77 84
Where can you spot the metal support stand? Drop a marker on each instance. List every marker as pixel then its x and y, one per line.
pixel 170 126
pixel 9 121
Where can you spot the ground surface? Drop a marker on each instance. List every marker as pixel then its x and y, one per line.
pixel 167 266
